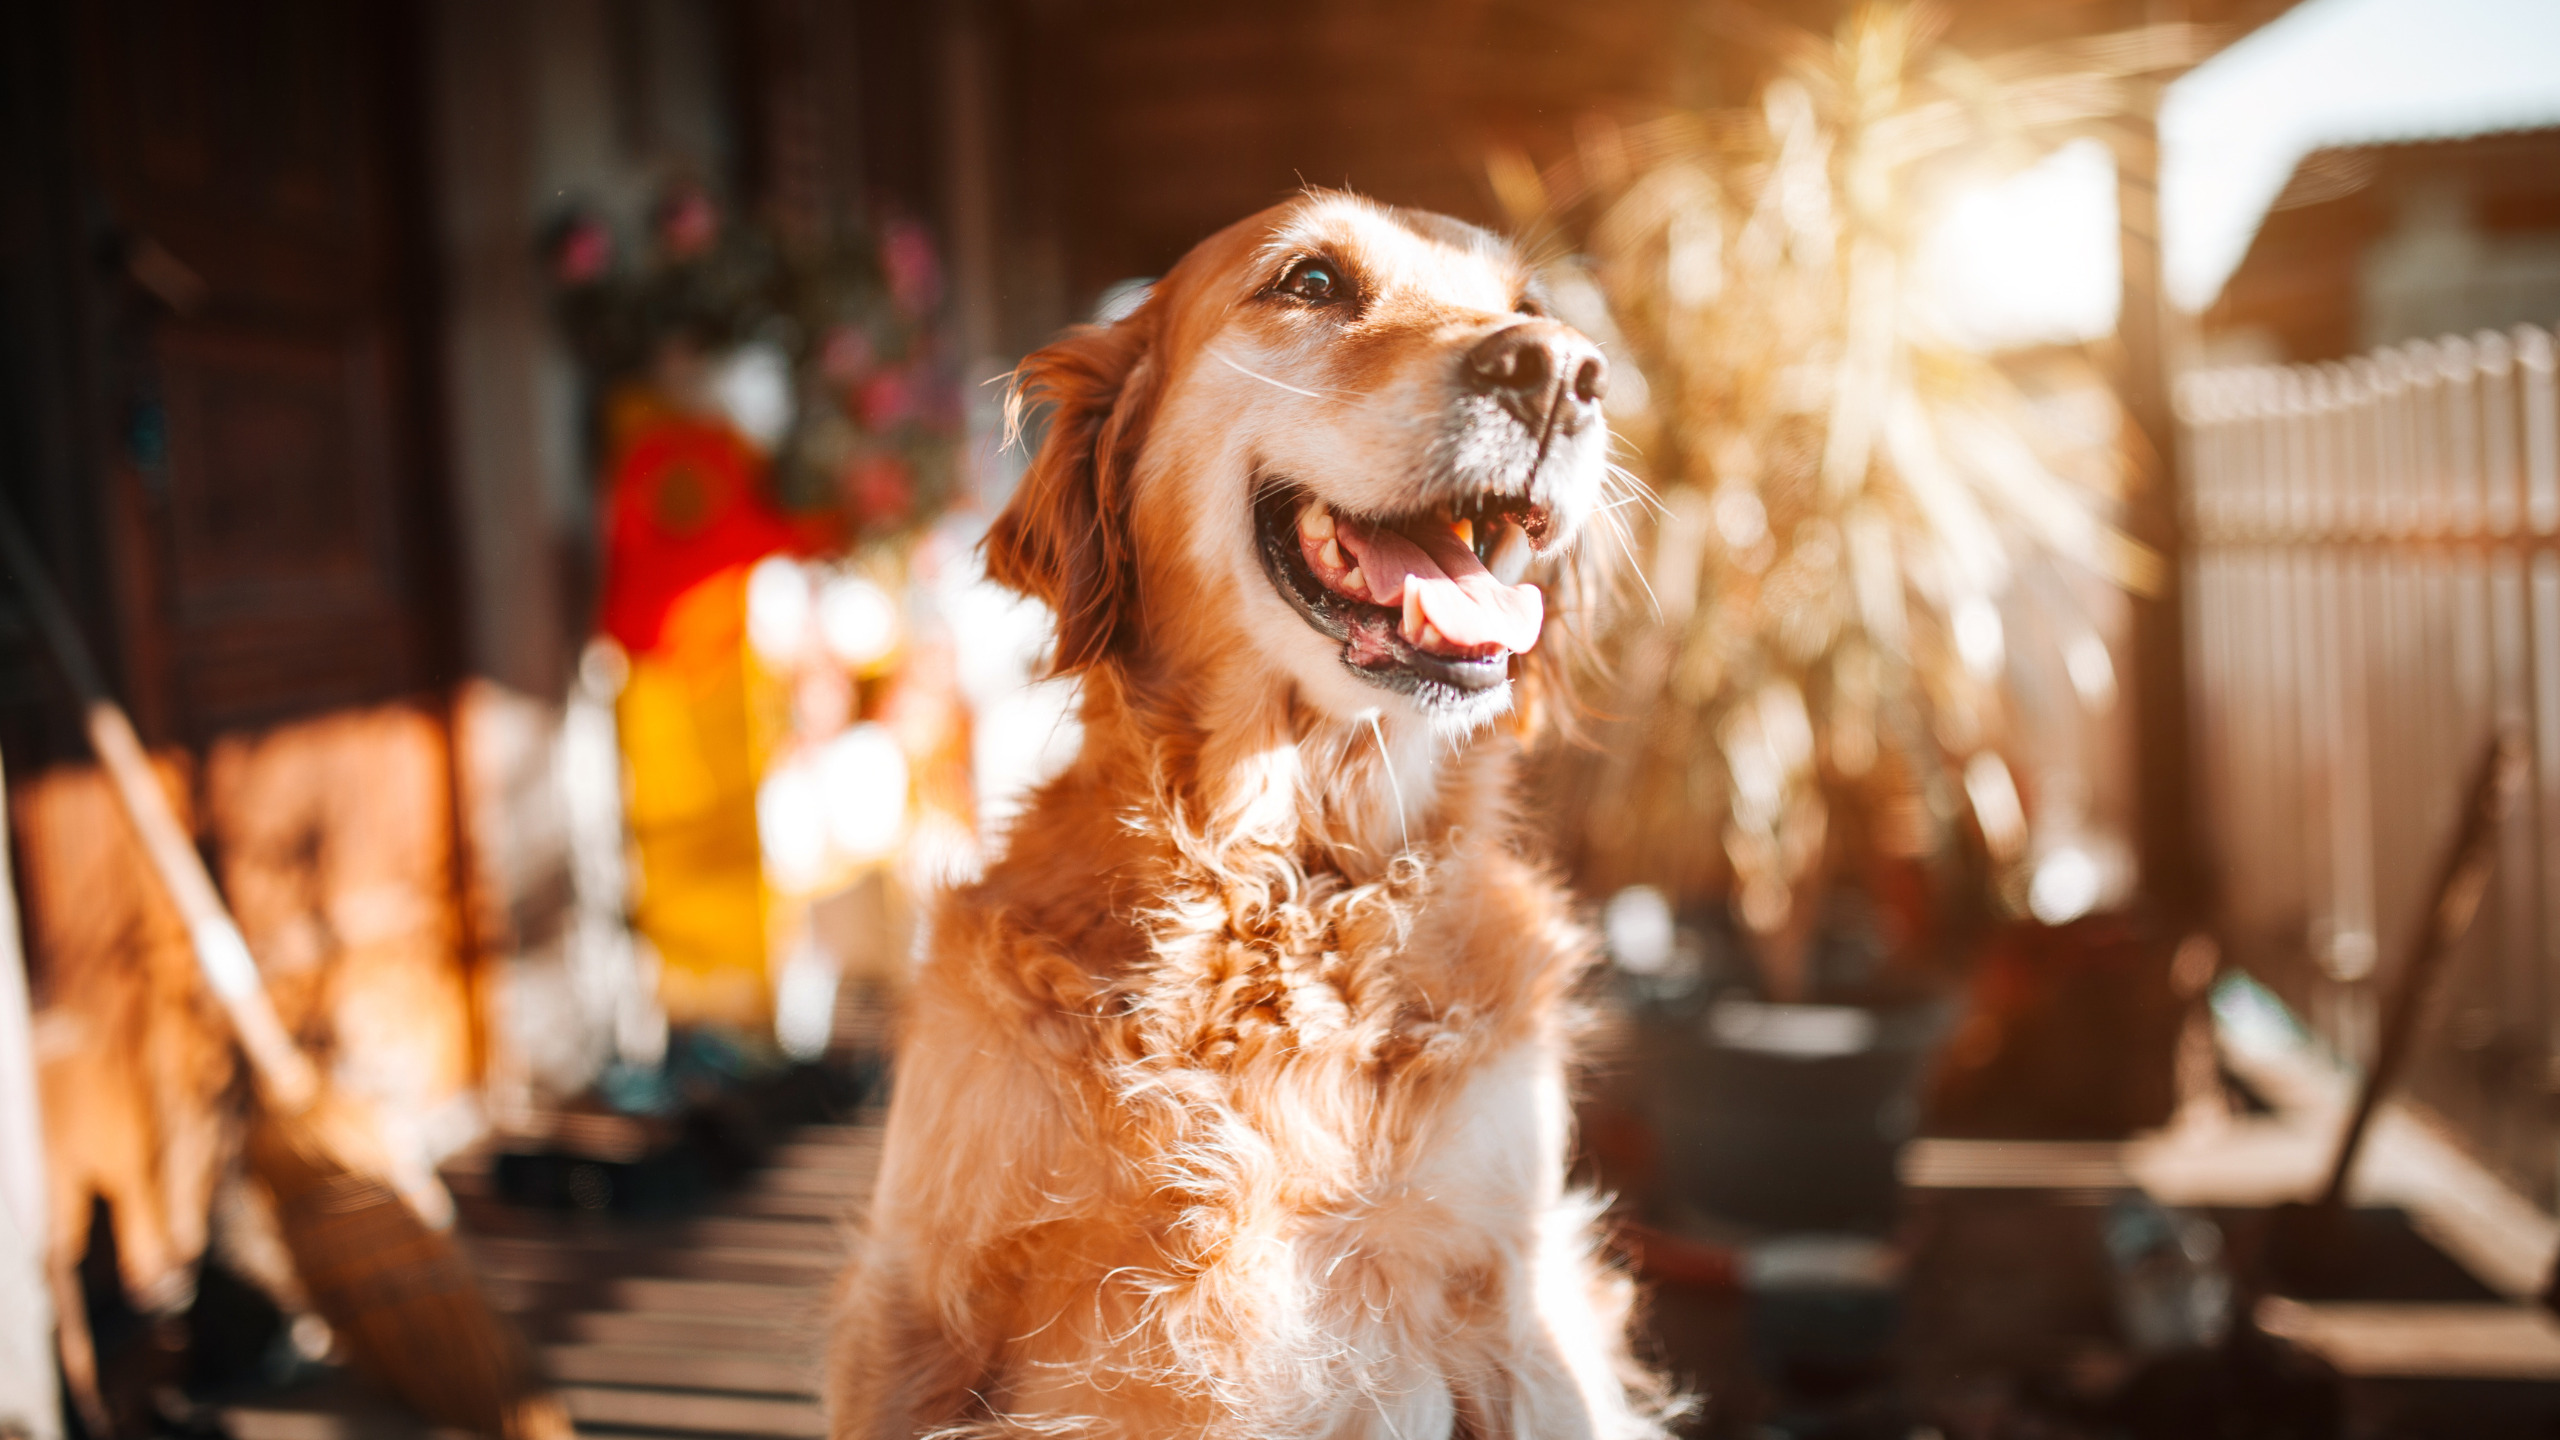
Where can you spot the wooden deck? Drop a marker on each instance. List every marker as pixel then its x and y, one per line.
pixel 706 1326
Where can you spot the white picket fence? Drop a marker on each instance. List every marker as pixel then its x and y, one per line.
pixel 2374 590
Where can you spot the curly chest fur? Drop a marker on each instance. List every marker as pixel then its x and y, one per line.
pixel 1339 1123
pixel 1392 980
pixel 1231 1145
pixel 1222 1140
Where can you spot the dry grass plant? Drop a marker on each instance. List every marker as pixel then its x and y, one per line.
pixel 1840 487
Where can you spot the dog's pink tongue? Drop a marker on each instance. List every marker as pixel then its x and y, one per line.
pixel 1454 592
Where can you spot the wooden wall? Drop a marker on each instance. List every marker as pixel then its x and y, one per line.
pixel 1134 128
pixel 2304 282
pixel 1137 129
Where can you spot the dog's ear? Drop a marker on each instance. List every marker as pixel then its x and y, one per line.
pixel 1063 539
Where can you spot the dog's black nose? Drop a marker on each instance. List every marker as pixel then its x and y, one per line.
pixel 1542 372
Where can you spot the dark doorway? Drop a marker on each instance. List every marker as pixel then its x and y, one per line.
pixel 269 515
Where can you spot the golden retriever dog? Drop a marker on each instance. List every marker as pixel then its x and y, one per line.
pixel 1232 1101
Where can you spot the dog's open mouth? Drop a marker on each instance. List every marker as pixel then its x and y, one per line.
pixel 1422 601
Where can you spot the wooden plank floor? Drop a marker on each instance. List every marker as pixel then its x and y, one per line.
pixel 676 1330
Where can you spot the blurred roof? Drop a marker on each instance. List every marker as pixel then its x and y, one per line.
pixel 2337 73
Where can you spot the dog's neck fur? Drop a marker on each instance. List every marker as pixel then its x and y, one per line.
pixel 1234 776
pixel 1250 762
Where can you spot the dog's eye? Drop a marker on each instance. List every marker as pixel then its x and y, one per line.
pixel 1312 281
pixel 1529 306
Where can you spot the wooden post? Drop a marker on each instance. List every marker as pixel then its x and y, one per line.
pixel 30 1401
pixel 2166 839
pixel 970 138
pixel 969 134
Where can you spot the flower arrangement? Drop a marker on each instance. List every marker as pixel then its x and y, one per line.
pixel 779 430
pixel 1811 699
pixel 831 348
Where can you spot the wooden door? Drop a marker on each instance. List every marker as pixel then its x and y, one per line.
pixel 249 155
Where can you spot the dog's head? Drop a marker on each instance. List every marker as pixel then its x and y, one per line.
pixel 1331 448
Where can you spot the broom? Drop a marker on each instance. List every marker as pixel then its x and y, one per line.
pixel 397 1289
pixel 2311 1245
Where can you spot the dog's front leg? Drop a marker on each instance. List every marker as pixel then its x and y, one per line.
pixel 893 1371
pixel 1572 1373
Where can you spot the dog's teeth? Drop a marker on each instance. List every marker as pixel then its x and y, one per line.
pixel 1353 583
pixel 1466 532
pixel 1413 621
pixel 1315 521
pixel 1332 553
pixel 1509 557
pixel 1431 637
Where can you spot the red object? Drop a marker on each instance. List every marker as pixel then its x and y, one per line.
pixel 686 504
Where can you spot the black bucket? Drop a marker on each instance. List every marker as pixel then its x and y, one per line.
pixel 1786 1117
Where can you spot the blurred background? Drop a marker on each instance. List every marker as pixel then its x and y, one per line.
pixel 520 467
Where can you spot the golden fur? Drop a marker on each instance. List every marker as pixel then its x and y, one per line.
pixel 1231 1102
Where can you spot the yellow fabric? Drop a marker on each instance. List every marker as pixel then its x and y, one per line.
pixel 691 751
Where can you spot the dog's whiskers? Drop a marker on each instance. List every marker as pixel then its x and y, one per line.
pixel 1394 785
pixel 1223 358
pixel 1618 533
pixel 1636 488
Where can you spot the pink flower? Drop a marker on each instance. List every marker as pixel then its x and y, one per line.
pixel 915 273
pixel 688 223
pixel 847 357
pixel 583 253
pixel 884 400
